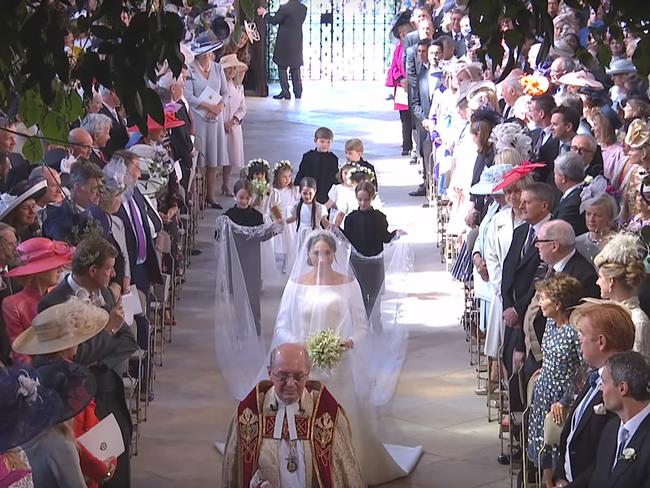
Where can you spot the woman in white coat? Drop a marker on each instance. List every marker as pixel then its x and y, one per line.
pixel 499 237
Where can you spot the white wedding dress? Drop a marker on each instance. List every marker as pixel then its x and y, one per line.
pixel 305 310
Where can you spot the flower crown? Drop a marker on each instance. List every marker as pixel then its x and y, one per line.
pixel 256 162
pixel 362 169
pixel 280 165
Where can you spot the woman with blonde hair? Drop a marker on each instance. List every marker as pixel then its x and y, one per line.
pixel 621 272
pixel 604 123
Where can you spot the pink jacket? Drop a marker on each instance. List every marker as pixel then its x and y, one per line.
pixel 397 72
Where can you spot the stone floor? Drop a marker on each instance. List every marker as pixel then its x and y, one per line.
pixel 435 405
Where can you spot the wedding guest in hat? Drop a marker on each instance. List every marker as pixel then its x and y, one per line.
pixel 234 113
pixel 206 92
pixel 8 255
pixel 600 210
pixel 41 262
pixel 638 141
pixel 74 320
pixel 60 388
pixel 619 70
pixel 18 209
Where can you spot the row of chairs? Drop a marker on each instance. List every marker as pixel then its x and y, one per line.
pixel 139 379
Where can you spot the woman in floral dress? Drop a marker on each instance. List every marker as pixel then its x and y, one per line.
pixel 562 359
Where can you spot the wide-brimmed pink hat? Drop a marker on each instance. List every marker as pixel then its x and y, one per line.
pixel 39 254
pixel 171 122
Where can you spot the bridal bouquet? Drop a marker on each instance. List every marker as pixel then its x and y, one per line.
pixel 325 349
pixel 261 188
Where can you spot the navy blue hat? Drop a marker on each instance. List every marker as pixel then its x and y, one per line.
pixel 612 116
pixel 35 399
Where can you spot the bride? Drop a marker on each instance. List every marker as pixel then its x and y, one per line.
pixel 322 293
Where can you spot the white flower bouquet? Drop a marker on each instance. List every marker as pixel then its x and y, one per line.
pixel 325 349
pixel 261 188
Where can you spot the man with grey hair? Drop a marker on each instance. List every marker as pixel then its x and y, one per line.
pixel 511 90
pixel 111 107
pixel 283 411
pixel 556 243
pixel 623 455
pixel 569 175
pixel 587 147
pixel 99 128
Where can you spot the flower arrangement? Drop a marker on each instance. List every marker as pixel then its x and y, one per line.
pixel 261 188
pixel 325 349
pixel 534 85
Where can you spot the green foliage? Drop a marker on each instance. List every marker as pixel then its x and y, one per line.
pixel 535 22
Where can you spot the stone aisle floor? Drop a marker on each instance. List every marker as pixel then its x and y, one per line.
pixel 435 405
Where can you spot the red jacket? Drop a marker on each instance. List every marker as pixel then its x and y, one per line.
pixel 94 470
pixel 18 311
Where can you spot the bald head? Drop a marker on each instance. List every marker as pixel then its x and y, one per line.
pixel 80 142
pixel 288 371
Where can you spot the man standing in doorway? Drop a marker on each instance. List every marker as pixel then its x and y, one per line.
pixel 288 44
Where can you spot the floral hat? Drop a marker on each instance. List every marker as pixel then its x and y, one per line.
pixel 517 174
pixel 40 254
pixel 621 67
pixel 280 165
pixel 34 399
pixel 535 85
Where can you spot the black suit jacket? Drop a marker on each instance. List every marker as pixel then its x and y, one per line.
pixel 153 268
pixel 288 44
pixel 323 167
pixel 547 154
pixel 585 438
pixel 568 209
pixel 119 135
pixel 597 166
pixel 633 473
pixel 106 349
pixel 519 272
pixel 61 220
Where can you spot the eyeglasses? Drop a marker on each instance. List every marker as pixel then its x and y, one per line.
pixel 284 377
pixel 581 150
pixel 537 241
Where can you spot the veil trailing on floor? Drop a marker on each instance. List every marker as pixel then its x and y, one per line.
pixel 315 298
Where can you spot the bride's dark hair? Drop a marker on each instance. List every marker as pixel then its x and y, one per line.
pixel 315 239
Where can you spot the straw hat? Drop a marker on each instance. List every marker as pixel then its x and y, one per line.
pixel 61 327
pixel 231 61
pixel 9 203
pixel 490 177
pixel 40 254
pixel 581 78
pixel 638 134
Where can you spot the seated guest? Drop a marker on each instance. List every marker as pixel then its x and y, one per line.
pixel 560 345
pixel 621 271
pixel 569 174
pixel 51 355
pixel 605 329
pixel 600 209
pixel 106 353
pixel 283 454
pixel 623 456
pixel 99 127
pixel 587 147
pixel 17 168
pixel 41 262
pixel 36 410
pixel 78 217
pixel 18 209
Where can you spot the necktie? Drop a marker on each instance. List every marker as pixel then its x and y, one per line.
pixel 139 232
pixel 623 435
pixel 540 141
pixel 593 381
pixel 529 240
pixel 564 148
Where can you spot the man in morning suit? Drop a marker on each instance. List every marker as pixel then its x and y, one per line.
pixel 569 175
pixel 564 124
pixel 623 456
pixel 105 354
pixel 519 269
pixel 605 329
pixel 139 230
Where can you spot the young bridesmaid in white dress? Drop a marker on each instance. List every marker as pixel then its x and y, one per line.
pixel 286 196
pixel 342 199
pixel 308 214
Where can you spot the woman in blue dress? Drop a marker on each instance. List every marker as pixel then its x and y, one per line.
pixel 562 360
